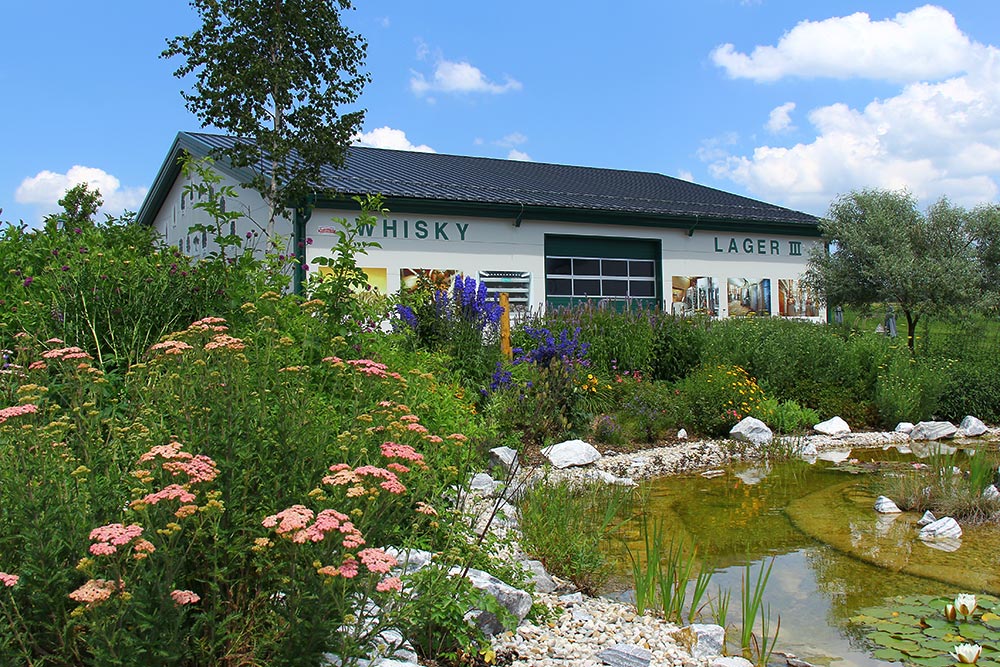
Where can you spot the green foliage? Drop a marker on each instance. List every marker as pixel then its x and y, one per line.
pixel 910 390
pixel 972 387
pixel 565 525
pixel 277 75
pixel 887 251
pixel 785 416
pixel 678 345
pixel 921 630
pixel 717 397
pixel 752 605
pixel 646 408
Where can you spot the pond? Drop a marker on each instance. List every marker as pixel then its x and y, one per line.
pixel 833 555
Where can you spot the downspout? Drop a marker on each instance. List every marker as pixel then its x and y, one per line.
pixel 302 215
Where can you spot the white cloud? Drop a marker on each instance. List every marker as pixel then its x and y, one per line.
pixel 685 175
pixel 918 45
pixel 780 118
pixel 46 188
pixel 934 138
pixel 459 77
pixel 515 154
pixel 388 137
pixel 512 139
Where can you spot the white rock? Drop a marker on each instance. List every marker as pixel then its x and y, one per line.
pixel 504 457
pixel 904 427
pixel 807 451
pixel 944 528
pixel 752 430
pixel 571 453
pixel 833 426
pixel 483 484
pixel 544 583
pixel 682 434
pixel 608 478
pixel 972 426
pixel 516 601
pixel 991 492
pixel 933 431
pixel 710 640
pixel 884 505
pixel 927 518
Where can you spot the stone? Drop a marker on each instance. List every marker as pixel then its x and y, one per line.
pixel 927 518
pixel 571 598
pixel 752 430
pixel 944 528
pixel 833 426
pixel 625 655
pixel 483 484
pixel 709 640
pixel 730 661
pixel 571 453
pixel 544 583
pixel 504 458
pixel 410 560
pixel 972 426
pixel 514 600
pixel 807 451
pixel 682 434
pixel 884 505
pixel 904 427
pixel 933 431
pixel 991 492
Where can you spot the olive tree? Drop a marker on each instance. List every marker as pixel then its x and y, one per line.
pixel 881 248
pixel 276 74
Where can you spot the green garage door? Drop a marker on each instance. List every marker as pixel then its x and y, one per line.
pixel 598 268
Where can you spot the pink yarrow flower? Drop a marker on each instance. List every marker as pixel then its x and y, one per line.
pixel 94 592
pixel 9 580
pixel 377 560
pixel 389 584
pixel 17 411
pixel 183 597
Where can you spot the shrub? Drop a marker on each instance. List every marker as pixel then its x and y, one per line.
pixel 717 397
pixel 909 390
pixel 678 344
pixel 565 526
pixel 785 416
pixel 646 408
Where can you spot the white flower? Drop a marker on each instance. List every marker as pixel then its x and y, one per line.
pixel 949 612
pixel 965 603
pixel 967 654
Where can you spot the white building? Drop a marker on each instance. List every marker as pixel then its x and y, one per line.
pixel 544 233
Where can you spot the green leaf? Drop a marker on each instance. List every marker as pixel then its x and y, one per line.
pixel 888 655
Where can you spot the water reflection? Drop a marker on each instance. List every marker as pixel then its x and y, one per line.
pixel 833 554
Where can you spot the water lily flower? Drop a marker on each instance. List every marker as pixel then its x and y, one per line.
pixel 967 654
pixel 949 612
pixel 965 603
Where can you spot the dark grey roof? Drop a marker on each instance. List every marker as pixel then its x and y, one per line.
pixel 456 178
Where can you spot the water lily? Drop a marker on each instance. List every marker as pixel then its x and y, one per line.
pixel 967 654
pixel 949 612
pixel 965 603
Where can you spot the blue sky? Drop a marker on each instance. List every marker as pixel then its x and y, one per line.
pixel 791 102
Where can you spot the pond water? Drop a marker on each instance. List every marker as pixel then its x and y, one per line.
pixel 832 553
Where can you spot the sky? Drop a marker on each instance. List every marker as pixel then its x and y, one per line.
pixel 790 102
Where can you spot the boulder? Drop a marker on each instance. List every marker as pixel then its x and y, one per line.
pixel 625 655
pixel 504 458
pixel 807 451
pixel 682 434
pixel 933 431
pixel 884 505
pixel 991 492
pixel 926 519
pixel 571 453
pixel 944 528
pixel 972 426
pixel 730 661
pixel 704 640
pixel 483 484
pixel 834 426
pixel 752 430
pixel 904 427
pixel 514 600
pixel 544 583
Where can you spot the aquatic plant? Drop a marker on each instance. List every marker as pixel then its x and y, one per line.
pixel 930 631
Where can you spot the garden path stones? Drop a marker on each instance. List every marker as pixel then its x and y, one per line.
pixel 483 484
pixel 833 426
pixel 933 431
pixel 571 453
pixel 732 661
pixel 972 427
pixel 752 430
